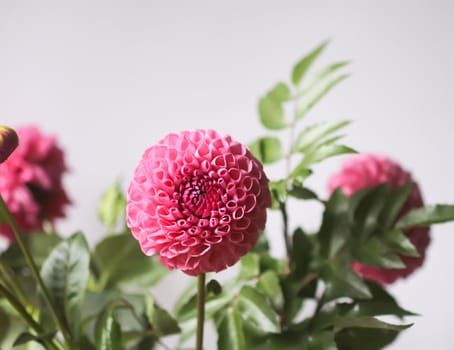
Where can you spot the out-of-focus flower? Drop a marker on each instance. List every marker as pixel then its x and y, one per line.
pixel 198 199
pixel 366 171
pixel 31 181
pixel 8 142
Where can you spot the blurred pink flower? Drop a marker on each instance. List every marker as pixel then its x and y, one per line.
pixel 198 199
pixel 366 171
pixel 31 181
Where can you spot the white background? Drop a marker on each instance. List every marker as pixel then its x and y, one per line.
pixel 112 77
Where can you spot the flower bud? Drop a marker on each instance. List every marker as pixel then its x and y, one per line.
pixel 8 142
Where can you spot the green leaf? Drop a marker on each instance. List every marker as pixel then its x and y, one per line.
pixel 161 321
pixel 319 76
pixel 301 255
pixel 381 303
pixel 272 114
pixel 334 231
pixel 127 265
pixel 355 338
pixel 27 337
pixel 341 281
pixel 250 266
pixel 374 253
pixel 314 134
pixel 427 216
pixel 325 151
pixel 267 149
pixel 400 243
pixel 366 322
pixel 230 331
pixel 300 69
pixel 269 285
pixel 280 93
pixel 112 205
pixel 321 341
pixel 314 96
pixel 108 332
pixel 394 203
pixel 65 274
pixel 256 310
pixel 301 192
pixel 39 246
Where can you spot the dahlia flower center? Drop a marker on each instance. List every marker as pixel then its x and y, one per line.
pixel 200 195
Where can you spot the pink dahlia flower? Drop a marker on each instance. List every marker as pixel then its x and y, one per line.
pixel 198 199
pixel 366 171
pixel 31 181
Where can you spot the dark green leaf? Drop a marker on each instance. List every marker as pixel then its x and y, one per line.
pixel 321 341
pixel 108 332
pixel 256 310
pixel 301 192
pixel 427 216
pixel 301 255
pixel 230 331
pixel 312 97
pixel 27 337
pixel 300 69
pixel 355 338
pixel 341 281
pixel 269 285
pixel 400 243
pixel 214 287
pixel 65 274
pixel 314 134
pixel 112 205
pixel 113 270
pixel 366 322
pixel 334 231
pixel 394 203
pixel 267 149
pixel 373 252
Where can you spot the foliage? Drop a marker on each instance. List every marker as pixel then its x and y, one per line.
pixel 102 294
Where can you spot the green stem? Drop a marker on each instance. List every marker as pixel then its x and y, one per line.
pixel 11 283
pixel 288 245
pixel 200 311
pixel 17 305
pixel 34 270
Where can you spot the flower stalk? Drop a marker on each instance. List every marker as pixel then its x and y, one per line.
pixel 34 270
pixel 200 310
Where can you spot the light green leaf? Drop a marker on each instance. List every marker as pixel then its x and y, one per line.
pixel 272 114
pixel 112 205
pixel 280 93
pixel 127 265
pixel 108 332
pixel 39 245
pixel 319 76
pixel 250 266
pixel 311 98
pixel 269 285
pixel 313 135
pixel 267 149
pixel 256 310
pixel 230 331
pixel 300 69
pixel 427 216
pixel 161 321
pixel 324 151
pixel 65 274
